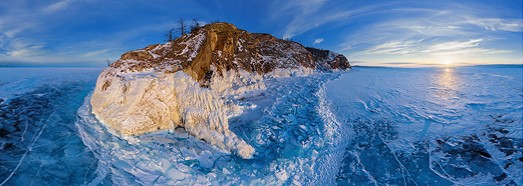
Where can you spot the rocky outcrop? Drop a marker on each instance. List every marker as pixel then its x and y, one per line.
pixel 226 47
pixel 184 83
pixel 328 60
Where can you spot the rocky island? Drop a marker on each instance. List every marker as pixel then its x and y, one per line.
pixel 187 82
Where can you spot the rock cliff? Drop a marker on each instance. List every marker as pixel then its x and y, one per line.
pixel 186 82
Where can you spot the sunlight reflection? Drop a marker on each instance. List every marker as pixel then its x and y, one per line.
pixel 447 84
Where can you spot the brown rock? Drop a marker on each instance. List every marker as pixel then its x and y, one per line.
pixel 227 47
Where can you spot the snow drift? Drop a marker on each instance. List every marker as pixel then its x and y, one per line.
pixel 190 81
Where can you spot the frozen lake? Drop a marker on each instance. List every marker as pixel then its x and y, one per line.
pixel 369 126
pixel 431 126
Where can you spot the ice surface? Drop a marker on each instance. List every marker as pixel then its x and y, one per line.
pixel 19 80
pixel 284 128
pixel 39 144
pixel 431 126
pixel 369 126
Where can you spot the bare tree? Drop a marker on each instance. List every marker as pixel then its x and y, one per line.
pixel 108 62
pixel 195 24
pixel 181 26
pixel 169 35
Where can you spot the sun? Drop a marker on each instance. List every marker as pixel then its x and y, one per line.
pixel 447 61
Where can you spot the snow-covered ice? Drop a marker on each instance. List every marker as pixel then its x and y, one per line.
pixel 369 126
pixel 431 126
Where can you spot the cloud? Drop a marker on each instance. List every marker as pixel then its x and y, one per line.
pixel 34 33
pixel 306 6
pixel 21 48
pixel 429 33
pixel 470 51
pixel 293 7
pixel 510 25
pixel 55 7
pixel 430 48
pixel 18 27
pixel 462 47
pixel 392 48
pixel 344 47
pixel 300 25
pixel 453 45
pixel 96 53
pixel 310 14
pixel 318 41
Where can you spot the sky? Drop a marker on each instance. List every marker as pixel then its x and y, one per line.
pixel 371 32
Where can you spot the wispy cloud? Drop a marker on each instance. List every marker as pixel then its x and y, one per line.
pixel 96 53
pixel 33 34
pixel 17 24
pixel 318 41
pixel 310 14
pixel 419 47
pixel 394 47
pixel 444 31
pixel 453 45
pixel 461 47
pixel 57 6
pixel 470 51
pixel 493 24
pixel 20 48
pixel 301 25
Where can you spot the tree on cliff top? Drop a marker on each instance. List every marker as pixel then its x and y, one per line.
pixel 195 24
pixel 181 26
pixel 169 35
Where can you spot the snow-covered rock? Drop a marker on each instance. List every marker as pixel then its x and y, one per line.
pixel 187 82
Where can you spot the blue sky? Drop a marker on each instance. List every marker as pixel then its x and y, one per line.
pixel 87 32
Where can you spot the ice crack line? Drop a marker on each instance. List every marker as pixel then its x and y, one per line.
pixel 29 149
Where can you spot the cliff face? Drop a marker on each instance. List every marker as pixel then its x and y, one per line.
pixel 185 82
